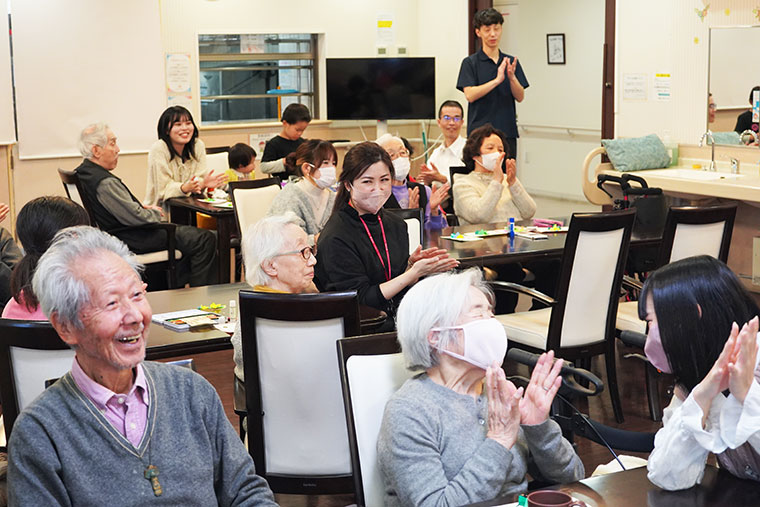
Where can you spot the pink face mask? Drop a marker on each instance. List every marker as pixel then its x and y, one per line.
pixel 654 351
pixel 485 341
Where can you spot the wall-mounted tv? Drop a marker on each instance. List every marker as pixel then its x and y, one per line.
pixel 380 88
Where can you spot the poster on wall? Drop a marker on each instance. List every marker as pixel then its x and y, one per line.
pixel 178 73
pixel 385 36
pixel 662 88
pixel 634 86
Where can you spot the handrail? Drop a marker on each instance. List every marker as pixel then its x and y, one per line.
pixel 569 130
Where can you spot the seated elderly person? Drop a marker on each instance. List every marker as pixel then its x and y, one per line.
pixel 408 194
pixel 277 258
pixel 491 192
pixel 448 439
pixel 115 429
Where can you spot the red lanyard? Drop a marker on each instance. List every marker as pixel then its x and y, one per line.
pixel 387 268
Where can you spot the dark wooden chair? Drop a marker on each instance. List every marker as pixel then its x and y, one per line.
pixel 688 231
pixel 580 323
pixel 32 356
pixel 371 370
pixel 165 259
pixel 415 224
pixel 296 427
pixel 451 212
pixel 251 200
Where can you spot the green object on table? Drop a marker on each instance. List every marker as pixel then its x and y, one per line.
pixel 481 232
pixel 522 501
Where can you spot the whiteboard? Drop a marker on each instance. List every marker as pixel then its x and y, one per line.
pixel 734 68
pixel 82 61
pixel 7 130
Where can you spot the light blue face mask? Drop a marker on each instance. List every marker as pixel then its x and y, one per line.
pixel 485 341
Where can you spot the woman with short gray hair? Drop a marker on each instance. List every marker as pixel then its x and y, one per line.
pixel 448 438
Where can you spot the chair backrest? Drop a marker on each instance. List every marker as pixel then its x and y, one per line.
pixel 217 161
pixel 252 199
pixel 296 426
pixel 31 353
pixel 372 369
pixel 415 224
pixel 592 268
pixel 691 231
pixel 455 171
pixel 74 192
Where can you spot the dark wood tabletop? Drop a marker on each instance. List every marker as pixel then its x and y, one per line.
pixel 164 342
pixel 504 250
pixel 632 488
pixel 182 211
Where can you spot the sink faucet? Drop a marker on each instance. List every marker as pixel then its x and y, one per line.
pixel 709 136
pixel 734 165
pixel 751 133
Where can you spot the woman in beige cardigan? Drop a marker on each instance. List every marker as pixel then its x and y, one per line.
pixel 491 192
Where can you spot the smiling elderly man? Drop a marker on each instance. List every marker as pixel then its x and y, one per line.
pixel 115 429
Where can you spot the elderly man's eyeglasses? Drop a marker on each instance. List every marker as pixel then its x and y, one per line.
pixel 400 153
pixel 455 119
pixel 306 252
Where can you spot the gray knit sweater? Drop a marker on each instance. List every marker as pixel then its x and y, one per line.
pixel 313 206
pixel 433 450
pixel 63 451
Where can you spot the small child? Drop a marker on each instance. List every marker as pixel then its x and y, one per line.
pixel 295 119
pixel 241 158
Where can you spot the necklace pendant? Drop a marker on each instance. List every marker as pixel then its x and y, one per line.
pixel 151 473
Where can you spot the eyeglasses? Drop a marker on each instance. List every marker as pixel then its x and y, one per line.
pixel 713 106
pixel 306 252
pixel 455 119
pixel 396 154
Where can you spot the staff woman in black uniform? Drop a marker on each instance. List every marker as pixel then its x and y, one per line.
pixel 363 249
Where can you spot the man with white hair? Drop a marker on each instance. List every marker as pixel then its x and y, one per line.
pixel 114 207
pixel 116 429
pixel 277 258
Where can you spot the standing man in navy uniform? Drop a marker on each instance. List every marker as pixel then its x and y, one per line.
pixel 492 81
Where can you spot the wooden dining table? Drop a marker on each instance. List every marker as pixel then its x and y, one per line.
pixel 495 250
pixel 182 211
pixel 632 488
pixel 164 342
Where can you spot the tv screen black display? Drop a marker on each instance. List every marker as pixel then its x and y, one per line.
pixel 380 88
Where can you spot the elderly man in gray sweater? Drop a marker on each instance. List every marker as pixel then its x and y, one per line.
pixel 116 430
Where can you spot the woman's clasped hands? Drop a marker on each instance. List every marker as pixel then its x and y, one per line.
pixel 734 370
pixel 509 407
pixel 430 261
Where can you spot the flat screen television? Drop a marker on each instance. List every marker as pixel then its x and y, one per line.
pixel 380 88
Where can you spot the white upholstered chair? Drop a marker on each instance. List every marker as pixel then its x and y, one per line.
pixel 372 369
pixel 296 420
pixel 580 322
pixel 688 231
pixel 415 221
pixel 252 200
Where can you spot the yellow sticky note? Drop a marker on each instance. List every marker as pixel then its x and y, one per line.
pixel 385 24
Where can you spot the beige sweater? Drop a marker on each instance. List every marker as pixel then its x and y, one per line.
pixel 165 176
pixel 478 199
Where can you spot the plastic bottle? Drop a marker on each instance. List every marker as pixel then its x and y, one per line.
pixel 232 310
pixel 671 148
pixel 512 227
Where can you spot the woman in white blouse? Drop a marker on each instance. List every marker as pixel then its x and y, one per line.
pixel 694 308
pixel 177 161
pixel 491 192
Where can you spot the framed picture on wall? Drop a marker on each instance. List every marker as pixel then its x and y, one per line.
pixel 555 48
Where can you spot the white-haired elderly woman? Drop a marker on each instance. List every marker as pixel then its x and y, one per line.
pixel 408 194
pixel 448 437
pixel 278 258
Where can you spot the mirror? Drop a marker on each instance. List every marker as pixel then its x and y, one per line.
pixel 730 81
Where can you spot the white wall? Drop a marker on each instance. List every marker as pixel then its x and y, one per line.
pixel 425 27
pixel 656 36
pixel 559 96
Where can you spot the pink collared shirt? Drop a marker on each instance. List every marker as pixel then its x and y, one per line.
pixel 128 413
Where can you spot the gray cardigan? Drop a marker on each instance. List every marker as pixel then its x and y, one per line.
pixel 433 450
pixel 63 451
pixel 297 197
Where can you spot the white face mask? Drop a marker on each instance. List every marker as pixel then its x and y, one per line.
pixel 327 177
pixel 485 341
pixel 401 167
pixel 489 160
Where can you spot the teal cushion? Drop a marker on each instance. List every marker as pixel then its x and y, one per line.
pixel 726 138
pixel 637 153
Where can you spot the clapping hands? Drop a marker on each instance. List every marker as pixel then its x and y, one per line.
pixel 509 407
